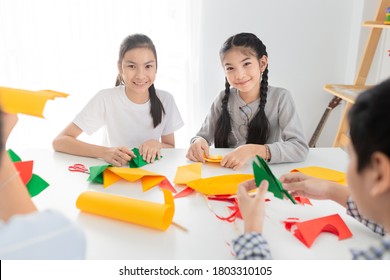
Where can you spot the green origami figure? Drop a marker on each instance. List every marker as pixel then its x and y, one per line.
pixel 138 161
pixel 261 172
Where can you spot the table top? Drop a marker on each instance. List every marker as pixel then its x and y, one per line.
pixel 207 237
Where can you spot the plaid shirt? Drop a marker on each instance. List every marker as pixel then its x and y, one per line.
pixel 253 246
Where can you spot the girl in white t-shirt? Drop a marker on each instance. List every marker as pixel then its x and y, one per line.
pixel 134 113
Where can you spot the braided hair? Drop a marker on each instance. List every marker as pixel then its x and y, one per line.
pixel 142 41
pixel 258 129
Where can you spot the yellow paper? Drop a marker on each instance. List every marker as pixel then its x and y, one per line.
pixel 187 173
pixel 27 102
pixel 114 174
pixel 146 213
pixel 213 158
pixel 323 173
pixel 219 185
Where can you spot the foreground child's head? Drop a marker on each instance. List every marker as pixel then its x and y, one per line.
pixel 369 169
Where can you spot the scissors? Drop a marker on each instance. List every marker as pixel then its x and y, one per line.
pixel 78 167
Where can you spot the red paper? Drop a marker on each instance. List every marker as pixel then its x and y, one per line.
pixel 184 192
pixel 308 231
pixel 165 184
pixel 25 169
pixel 302 200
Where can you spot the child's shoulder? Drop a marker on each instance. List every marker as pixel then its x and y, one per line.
pixel 164 95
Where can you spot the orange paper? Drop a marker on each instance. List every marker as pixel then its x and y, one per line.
pixel 27 102
pixel 213 158
pixel 217 185
pixel 114 174
pixel 146 213
pixel 187 173
pixel 323 173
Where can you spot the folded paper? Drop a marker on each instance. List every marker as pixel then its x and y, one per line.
pixel 213 158
pixel 187 173
pixel 34 183
pixel 263 172
pixel 308 231
pixel 27 102
pixel 108 175
pixel 138 161
pixel 323 173
pixel 146 213
pixel 219 185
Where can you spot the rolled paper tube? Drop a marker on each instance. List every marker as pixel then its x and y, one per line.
pixel 146 213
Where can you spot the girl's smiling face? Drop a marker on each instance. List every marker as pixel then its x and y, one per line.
pixel 243 69
pixel 138 69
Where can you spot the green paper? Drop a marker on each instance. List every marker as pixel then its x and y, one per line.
pixel 138 161
pixel 36 185
pixel 261 172
pixel 14 157
pixel 96 173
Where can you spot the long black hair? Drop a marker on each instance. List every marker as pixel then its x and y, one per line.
pixel 369 130
pixel 258 129
pixel 142 41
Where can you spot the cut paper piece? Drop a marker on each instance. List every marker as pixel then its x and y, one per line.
pixel 187 191
pixel 219 185
pixel 27 102
pixel 263 172
pixel 25 169
pixel 323 173
pixel 308 231
pixel 165 184
pixel 302 200
pixel 108 175
pixel 138 161
pixel 213 158
pixel 146 213
pixel 188 173
pixel 34 183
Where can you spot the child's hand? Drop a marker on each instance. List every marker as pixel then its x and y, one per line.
pixel 252 208
pixel 237 158
pixel 198 150
pixel 303 185
pixel 149 150
pixel 118 156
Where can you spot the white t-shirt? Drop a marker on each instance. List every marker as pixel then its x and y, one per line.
pixel 127 123
pixel 46 235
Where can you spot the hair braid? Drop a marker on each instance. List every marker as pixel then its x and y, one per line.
pixel 223 127
pixel 258 130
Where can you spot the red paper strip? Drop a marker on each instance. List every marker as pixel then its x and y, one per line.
pixel 165 184
pixel 187 191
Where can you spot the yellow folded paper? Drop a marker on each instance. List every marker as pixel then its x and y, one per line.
pixel 323 173
pixel 219 185
pixel 148 179
pixel 146 213
pixel 187 173
pixel 27 102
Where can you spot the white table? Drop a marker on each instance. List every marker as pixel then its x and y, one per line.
pixel 207 237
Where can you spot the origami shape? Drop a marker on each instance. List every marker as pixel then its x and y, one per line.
pixel 323 173
pixel 146 213
pixel 262 172
pixel 108 175
pixel 138 161
pixel 219 185
pixel 34 183
pixel 27 102
pixel 187 173
pixel 309 230
pixel 213 158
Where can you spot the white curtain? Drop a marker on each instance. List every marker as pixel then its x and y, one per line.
pixel 72 46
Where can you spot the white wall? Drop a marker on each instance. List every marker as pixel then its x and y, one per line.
pixel 310 44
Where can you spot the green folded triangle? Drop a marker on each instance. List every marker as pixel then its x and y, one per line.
pixel 262 171
pixel 138 161
pixel 14 157
pixel 96 173
pixel 36 185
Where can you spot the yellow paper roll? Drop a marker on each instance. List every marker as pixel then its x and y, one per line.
pixel 127 209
